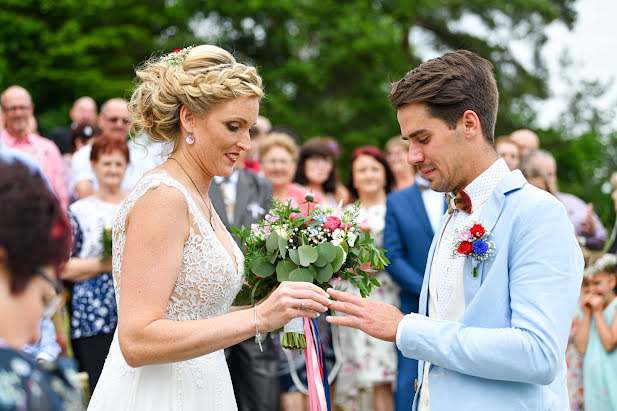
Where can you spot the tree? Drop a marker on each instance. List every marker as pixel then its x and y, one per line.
pixel 326 65
pixel 63 49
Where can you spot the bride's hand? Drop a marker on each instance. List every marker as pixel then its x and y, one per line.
pixel 290 300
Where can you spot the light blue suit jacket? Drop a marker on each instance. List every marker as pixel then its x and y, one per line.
pixel 507 351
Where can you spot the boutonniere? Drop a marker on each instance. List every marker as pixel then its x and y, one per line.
pixel 256 210
pixel 472 243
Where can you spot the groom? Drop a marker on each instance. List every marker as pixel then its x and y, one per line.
pixel 493 340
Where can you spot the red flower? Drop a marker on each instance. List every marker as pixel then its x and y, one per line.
pixel 332 223
pixel 465 248
pixel 477 231
pixel 177 50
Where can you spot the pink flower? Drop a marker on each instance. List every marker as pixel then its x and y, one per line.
pixel 293 216
pixel 332 223
pixel 465 235
pixel 346 227
pixel 272 218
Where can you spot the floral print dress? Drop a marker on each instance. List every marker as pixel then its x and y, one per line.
pixel 24 385
pixel 367 361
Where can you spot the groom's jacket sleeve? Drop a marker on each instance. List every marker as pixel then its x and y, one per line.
pixel 543 273
pixel 409 278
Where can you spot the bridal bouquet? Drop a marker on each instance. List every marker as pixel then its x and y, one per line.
pixel 106 242
pixel 315 247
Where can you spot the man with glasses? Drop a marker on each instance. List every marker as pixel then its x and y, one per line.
pixel 114 122
pixel 17 108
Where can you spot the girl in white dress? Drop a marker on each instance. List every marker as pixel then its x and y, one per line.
pixel 176 269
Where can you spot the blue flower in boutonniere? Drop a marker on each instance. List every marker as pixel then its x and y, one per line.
pixel 472 243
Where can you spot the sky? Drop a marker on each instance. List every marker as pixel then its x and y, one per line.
pixel 590 45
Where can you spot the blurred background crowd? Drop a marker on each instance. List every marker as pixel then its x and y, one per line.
pixel 327 128
pixel 91 165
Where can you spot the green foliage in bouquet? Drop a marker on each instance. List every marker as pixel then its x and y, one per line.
pixel 314 248
pixel 106 242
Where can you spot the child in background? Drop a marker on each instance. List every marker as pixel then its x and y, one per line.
pixel 596 336
pixel 574 359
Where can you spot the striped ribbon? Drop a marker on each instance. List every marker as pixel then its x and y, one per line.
pixel 316 370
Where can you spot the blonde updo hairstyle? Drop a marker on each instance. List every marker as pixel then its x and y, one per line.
pixel 208 76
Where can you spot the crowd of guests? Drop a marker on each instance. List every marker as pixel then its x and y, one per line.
pixel 91 165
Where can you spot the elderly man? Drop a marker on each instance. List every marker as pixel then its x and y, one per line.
pixel 114 122
pixel 258 132
pixel 527 140
pixel 504 269
pixel 82 112
pixel 586 223
pixel 17 108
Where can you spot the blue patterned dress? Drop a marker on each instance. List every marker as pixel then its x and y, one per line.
pixel 94 308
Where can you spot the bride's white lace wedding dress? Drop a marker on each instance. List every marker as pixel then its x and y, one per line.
pixel 206 286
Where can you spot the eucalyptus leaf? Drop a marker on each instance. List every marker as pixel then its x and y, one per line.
pixel 272 242
pixel 283 269
pixel 328 250
pixel 324 273
pixel 262 268
pixel 308 255
pixel 301 275
pixel 339 259
pixel 282 247
pixel 294 256
pixel 272 257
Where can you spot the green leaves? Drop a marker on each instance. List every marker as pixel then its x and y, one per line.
pixel 262 268
pixel 324 273
pixel 303 274
pixel 338 259
pixel 308 255
pixel 283 269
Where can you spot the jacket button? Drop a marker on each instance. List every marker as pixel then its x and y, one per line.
pixel 415 384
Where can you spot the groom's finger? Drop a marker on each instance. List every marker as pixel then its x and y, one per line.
pixel 347 308
pixel 343 320
pixel 343 296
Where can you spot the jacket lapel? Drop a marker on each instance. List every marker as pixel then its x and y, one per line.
pixel 488 218
pixel 416 202
pixel 243 193
pixel 216 196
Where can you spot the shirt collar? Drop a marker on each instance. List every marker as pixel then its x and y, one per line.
pixel 482 186
pixel 233 178
pixel 14 140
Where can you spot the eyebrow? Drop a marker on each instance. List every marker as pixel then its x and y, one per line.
pixel 417 133
pixel 240 119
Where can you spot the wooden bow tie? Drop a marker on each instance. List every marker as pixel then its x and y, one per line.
pixel 460 201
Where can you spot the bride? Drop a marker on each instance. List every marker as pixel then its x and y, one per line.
pixel 176 268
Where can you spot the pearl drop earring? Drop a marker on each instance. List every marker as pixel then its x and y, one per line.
pixel 190 139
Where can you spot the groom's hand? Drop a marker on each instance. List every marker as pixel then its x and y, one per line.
pixel 375 318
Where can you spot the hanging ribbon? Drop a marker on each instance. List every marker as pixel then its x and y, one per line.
pixel 317 374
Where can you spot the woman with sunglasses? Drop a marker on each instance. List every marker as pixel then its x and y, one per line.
pixel 94 314
pixel 34 242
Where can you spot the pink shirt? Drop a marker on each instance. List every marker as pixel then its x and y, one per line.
pixel 47 156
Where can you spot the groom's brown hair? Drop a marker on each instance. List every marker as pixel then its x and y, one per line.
pixel 449 85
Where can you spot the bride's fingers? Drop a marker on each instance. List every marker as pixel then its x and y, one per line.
pixel 301 285
pixel 311 295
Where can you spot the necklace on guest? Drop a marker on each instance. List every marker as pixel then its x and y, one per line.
pixel 208 204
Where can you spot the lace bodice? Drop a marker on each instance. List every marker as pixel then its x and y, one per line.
pixel 207 282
